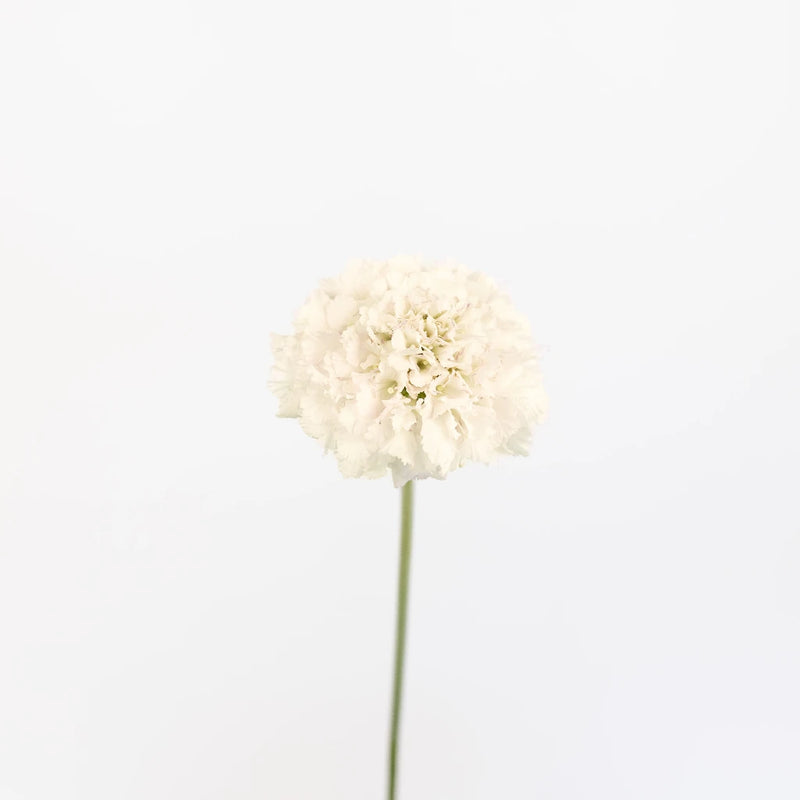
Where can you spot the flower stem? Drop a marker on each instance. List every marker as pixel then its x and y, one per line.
pixel 407 505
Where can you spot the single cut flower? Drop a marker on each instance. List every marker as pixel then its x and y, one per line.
pixel 411 367
pixel 415 368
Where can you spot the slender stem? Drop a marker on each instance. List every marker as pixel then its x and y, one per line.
pixel 407 505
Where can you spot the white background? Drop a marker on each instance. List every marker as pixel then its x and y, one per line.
pixel 193 603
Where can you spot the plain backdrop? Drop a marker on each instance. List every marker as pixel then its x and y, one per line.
pixel 194 604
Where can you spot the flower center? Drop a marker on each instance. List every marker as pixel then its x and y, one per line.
pixel 423 352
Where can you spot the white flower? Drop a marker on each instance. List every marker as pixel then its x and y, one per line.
pixel 410 366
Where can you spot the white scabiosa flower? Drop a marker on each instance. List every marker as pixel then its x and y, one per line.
pixel 412 367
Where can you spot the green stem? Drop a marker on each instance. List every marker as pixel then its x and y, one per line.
pixel 407 504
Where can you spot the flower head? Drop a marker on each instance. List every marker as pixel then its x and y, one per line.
pixel 412 367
